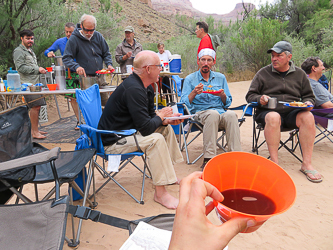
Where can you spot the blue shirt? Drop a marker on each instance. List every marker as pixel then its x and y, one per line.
pixel 58 44
pixel 206 101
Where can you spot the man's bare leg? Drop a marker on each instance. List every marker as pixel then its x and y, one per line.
pixel 307 132
pixel 164 198
pixel 34 113
pixel 75 108
pixel 272 134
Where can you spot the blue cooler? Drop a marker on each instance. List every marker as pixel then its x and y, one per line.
pixel 175 63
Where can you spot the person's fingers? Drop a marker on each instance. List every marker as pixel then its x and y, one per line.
pixel 185 186
pixel 199 191
pixel 209 207
pixel 231 228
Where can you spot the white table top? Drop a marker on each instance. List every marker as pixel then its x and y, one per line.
pixel 104 89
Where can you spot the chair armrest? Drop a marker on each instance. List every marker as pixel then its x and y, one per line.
pixel 323 111
pixel 30 160
pixel 117 132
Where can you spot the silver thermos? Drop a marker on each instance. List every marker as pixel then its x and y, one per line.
pixel 60 77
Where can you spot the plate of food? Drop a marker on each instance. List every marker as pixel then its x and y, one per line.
pixel 179 117
pixel 210 91
pixel 299 105
pixel 104 71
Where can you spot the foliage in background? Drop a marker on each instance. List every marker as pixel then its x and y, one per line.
pixel 47 23
pixel 301 50
pixel 296 12
pixel 255 36
pixel 307 24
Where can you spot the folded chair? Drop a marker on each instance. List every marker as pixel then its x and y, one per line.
pixel 37 225
pixel 322 124
pixel 289 144
pixel 90 105
pixel 15 143
pixel 195 126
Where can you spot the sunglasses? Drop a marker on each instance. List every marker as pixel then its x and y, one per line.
pixel 87 30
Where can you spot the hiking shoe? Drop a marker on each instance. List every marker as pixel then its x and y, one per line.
pixel 204 163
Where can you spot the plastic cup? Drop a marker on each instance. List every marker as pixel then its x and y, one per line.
pixel 52 87
pixel 49 69
pixel 241 170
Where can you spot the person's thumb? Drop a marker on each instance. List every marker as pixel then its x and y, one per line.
pixel 234 226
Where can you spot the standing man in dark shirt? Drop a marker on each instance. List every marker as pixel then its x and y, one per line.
pixel 131 106
pixel 89 48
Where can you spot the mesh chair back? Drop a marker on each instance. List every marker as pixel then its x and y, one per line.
pixel 15 142
pixel 15 134
pixel 36 225
pixel 89 101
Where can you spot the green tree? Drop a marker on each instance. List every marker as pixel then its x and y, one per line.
pixel 296 12
pixel 255 36
pixel 316 28
pixel 301 50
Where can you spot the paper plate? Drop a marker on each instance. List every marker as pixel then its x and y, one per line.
pixel 179 117
pixel 212 92
pixel 106 72
pixel 296 107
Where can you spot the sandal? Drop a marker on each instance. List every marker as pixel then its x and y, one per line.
pixel 77 126
pixel 313 172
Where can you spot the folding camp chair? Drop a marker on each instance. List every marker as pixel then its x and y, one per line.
pixel 38 225
pixel 322 124
pixel 289 144
pixel 90 105
pixel 15 143
pixel 195 126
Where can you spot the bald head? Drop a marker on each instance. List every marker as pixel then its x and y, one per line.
pixel 144 58
pixel 147 66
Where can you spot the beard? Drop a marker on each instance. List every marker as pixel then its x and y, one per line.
pixel 205 69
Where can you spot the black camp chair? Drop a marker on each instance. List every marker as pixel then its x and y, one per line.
pixel 15 143
pixel 290 144
pixel 38 225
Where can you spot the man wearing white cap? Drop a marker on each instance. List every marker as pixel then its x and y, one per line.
pixel 127 49
pixel 211 107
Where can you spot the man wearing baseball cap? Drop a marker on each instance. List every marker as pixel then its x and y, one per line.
pixel 211 108
pixel 127 49
pixel 288 83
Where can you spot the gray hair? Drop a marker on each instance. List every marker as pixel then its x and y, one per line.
pixel 287 53
pixel 70 25
pixel 84 17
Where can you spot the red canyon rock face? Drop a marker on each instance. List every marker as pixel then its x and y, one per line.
pixel 184 7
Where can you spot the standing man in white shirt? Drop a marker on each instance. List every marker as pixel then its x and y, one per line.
pixel 164 56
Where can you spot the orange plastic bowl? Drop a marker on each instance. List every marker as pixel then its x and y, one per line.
pixel 241 170
pixel 52 87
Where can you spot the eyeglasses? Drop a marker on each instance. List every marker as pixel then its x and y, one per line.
pixel 87 30
pixel 206 60
pixel 157 65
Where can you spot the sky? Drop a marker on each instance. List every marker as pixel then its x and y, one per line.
pixel 222 6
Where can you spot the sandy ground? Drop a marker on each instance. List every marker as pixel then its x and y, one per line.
pixel 307 225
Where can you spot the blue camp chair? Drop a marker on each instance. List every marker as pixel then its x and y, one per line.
pixel 90 105
pixel 194 126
